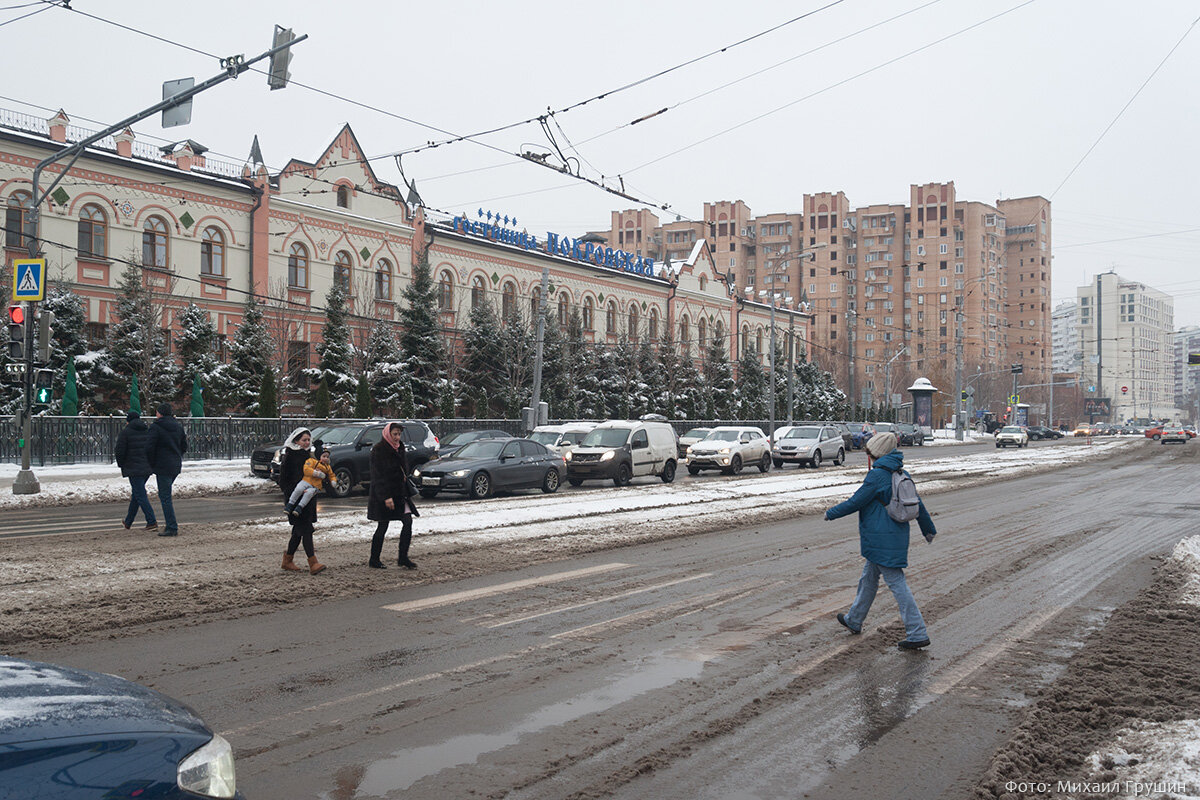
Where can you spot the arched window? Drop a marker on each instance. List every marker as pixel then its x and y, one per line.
pixel 18 222
pixel 298 266
pixel 535 303
pixel 745 338
pixel 703 282
pixel 758 340
pixel 446 291
pixel 701 333
pixel 478 292
pixel 508 300
pixel 610 318
pixel 719 332
pixel 93 231
pixel 343 270
pixel 154 243
pixel 564 310
pixel 588 314
pixel 343 196
pixel 652 325
pixel 212 252
pixel 631 326
pixel 685 336
pixel 383 279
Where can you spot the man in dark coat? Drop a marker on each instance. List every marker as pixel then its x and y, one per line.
pixel 131 458
pixel 389 497
pixel 168 443
pixel 883 542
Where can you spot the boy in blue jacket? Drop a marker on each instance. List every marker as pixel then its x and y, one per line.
pixel 883 542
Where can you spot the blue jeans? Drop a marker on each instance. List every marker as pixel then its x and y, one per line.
pixel 914 624
pixel 164 497
pixel 139 499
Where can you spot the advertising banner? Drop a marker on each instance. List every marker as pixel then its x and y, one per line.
pixel 1097 406
pixel 923 411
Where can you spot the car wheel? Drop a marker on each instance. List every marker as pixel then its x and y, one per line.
pixel 735 466
pixel 481 486
pixel 623 476
pixel 997 445
pixel 668 473
pixel 778 464
pixel 693 470
pixel 1157 436
pixel 428 493
pixel 764 463
pixel 841 457
pixel 816 460
pixel 575 481
pixel 345 482
pixel 551 481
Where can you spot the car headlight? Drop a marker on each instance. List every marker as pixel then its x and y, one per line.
pixel 278 459
pixel 724 451
pixel 460 473
pixel 608 456
pixel 689 450
pixel 209 770
pixel 567 456
pixel 416 473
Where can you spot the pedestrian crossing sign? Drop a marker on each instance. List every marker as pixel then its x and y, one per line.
pixel 29 279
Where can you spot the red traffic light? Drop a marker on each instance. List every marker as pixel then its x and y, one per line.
pixel 16 315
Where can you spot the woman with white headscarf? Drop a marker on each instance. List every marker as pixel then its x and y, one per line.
pixel 291 472
pixel 389 496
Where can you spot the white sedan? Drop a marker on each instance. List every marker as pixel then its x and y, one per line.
pixel 1012 434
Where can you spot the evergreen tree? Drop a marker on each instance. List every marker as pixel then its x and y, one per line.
pixel 609 380
pixel 195 344
pixel 136 345
pixel 335 355
pixel 446 403
pixel 718 378
pixel 483 357
pixel 266 405
pixel 653 381
pixel 250 354
pixel 321 400
pixel 421 340
pixel 362 399
pixel 573 344
pixel 669 378
pixel 384 365
pixel 407 406
pixel 555 367
pixel 590 389
pixel 516 366
pixel 817 394
pixel 694 399
pixel 628 394
pixel 751 394
pixel 69 342
pixel 481 405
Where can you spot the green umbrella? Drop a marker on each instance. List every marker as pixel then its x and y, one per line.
pixel 197 398
pixel 135 400
pixel 70 403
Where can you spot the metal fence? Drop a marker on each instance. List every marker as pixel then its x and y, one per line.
pixel 76 440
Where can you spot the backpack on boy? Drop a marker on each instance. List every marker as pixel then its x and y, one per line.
pixel 905 504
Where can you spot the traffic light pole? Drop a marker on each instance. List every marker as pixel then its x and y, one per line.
pixel 26 482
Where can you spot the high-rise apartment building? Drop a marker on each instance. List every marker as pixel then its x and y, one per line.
pixel 883 282
pixel 1068 352
pixel 1187 376
pixel 1126 330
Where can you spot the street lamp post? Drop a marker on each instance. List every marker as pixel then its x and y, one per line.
pixel 773 272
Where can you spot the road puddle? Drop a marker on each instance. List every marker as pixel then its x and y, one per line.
pixel 405 767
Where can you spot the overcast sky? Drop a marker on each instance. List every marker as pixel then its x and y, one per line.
pixel 1006 108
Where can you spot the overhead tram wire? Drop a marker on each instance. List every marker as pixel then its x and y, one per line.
pixel 832 86
pixel 30 14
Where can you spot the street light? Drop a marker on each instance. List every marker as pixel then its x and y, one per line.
pixel 773 271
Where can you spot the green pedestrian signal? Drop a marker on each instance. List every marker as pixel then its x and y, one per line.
pixel 43 387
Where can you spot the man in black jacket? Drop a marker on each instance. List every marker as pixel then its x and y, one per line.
pixel 131 458
pixel 168 443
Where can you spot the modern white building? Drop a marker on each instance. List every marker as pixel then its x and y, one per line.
pixel 1187 378
pixel 1068 353
pixel 1126 331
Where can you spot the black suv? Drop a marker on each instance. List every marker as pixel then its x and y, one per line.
pixel 1042 432
pixel 349 445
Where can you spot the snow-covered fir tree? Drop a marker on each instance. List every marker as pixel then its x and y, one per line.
pixel 384 365
pixel 266 405
pixel 750 396
pixel 250 354
pixel 483 357
pixel 421 340
pixel 718 379
pixel 335 356
pixel 516 366
pixel 817 393
pixel 627 381
pixel 195 346
pixel 572 344
pixel 667 401
pixel 136 346
pixel 555 367
pixel 653 381
pixel 692 399
pixel 68 342
pixel 589 388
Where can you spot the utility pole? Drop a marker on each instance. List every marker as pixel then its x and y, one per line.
pixel 791 368
pixel 179 101
pixel 535 404
pixel 852 325
pixel 959 433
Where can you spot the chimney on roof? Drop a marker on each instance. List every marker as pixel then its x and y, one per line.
pixel 124 141
pixel 58 126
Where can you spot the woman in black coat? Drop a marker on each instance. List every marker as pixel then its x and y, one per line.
pixel 389 497
pixel 291 471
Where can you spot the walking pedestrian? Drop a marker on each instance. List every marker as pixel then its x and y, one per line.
pixel 304 520
pixel 389 496
pixel 168 443
pixel 883 542
pixel 135 465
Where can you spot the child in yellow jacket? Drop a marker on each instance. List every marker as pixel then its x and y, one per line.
pixel 316 471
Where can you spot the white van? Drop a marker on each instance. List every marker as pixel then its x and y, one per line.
pixel 562 438
pixel 621 450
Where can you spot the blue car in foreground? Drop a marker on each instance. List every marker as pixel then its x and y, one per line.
pixel 69 733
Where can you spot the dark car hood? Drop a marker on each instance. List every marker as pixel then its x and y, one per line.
pixel 46 701
pixel 452 463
